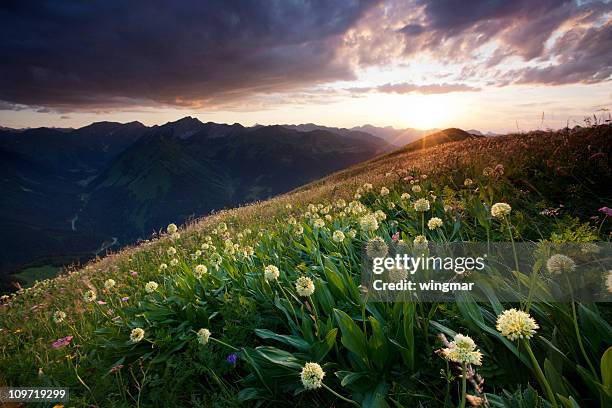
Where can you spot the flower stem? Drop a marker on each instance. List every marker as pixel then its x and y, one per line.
pixel 463 385
pixel 224 344
pixel 540 375
pixel 516 263
pixel 423 223
pixel 350 401
pixel 577 330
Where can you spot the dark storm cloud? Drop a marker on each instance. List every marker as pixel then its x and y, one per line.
pixel 523 28
pixel 67 54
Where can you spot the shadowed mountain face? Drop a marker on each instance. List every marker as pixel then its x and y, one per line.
pixel 70 194
pixel 395 137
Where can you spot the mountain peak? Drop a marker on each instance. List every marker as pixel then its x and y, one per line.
pixel 184 128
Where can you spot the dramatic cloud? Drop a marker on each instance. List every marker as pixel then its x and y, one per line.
pixel 580 55
pixel 568 38
pixel 66 54
pixel 405 88
pixel 112 54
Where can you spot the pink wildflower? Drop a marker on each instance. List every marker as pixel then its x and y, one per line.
pixel 64 341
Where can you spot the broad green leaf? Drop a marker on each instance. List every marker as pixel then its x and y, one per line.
pixel 293 341
pixel 606 371
pixel 352 336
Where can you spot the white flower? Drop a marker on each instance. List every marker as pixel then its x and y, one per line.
pixel 416 188
pixel 338 236
pixel 271 272
pixel 304 286
pixel 559 263
pixel 367 186
pixel 434 223
pixel 109 284
pixel 137 335
pixel 174 262
pixel 380 215
pixel 90 295
pixel 171 251
pixel 405 196
pixel 203 336
pixel 216 259
pixel 384 191
pixel 468 182
pixel 516 324
pixel 288 206
pixel 59 316
pixel 352 233
pixel 172 228
pixel 163 267
pixel 298 230
pixel 319 223
pixel 312 376
pixel 222 227
pixel 421 205
pixel 368 223
pixel 500 210
pixel 175 236
pixel 376 248
pixel 463 350
pixel 151 287
pixel 396 274
pixel 200 270
pixel 420 242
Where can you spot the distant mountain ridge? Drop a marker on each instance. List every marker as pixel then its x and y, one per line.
pixel 395 137
pixel 75 192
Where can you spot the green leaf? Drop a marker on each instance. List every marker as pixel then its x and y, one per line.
pixel 352 336
pixel 554 378
pixel 606 371
pixel 293 341
pixel 348 377
pixel 377 344
pixel 409 319
pixel 319 350
pixel 279 357
pixel 335 279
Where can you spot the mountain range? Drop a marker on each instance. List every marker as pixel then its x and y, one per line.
pixel 70 194
pixel 395 137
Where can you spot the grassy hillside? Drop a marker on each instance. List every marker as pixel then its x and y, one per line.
pixel 136 343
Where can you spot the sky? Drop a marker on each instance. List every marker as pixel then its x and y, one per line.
pixel 491 65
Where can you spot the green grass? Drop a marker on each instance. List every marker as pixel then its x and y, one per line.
pixel 373 355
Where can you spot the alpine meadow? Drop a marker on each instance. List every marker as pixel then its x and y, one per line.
pixel 307 203
pixel 261 305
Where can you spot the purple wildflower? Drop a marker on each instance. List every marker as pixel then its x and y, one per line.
pixel 606 210
pixel 64 341
pixel 232 358
pixel 125 299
